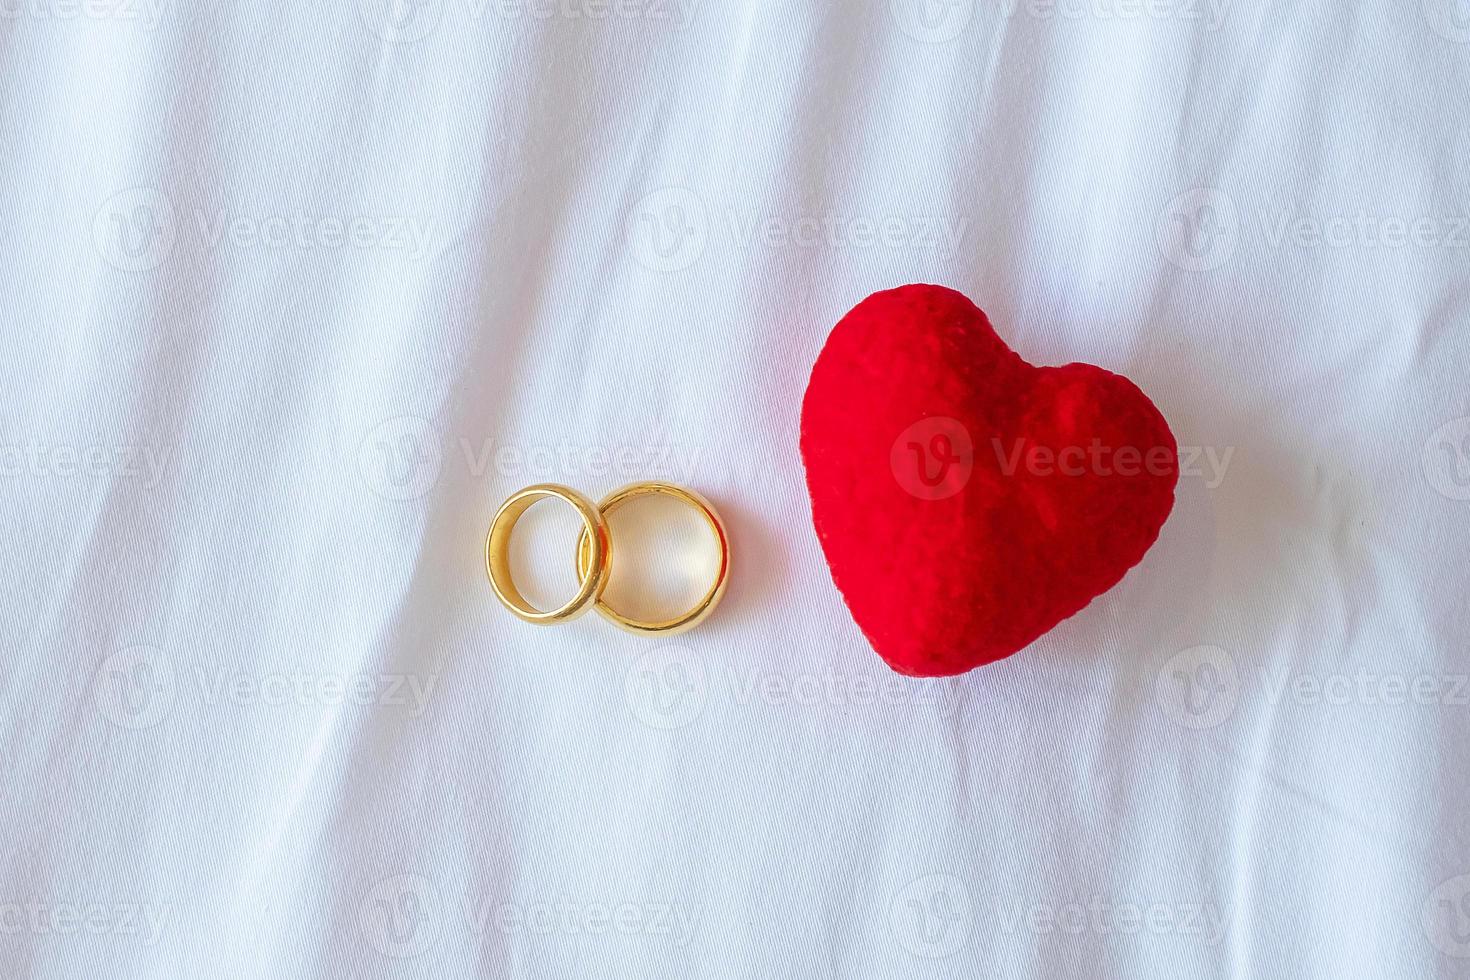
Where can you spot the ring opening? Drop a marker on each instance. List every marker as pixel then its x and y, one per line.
pixel 592 574
pixel 633 601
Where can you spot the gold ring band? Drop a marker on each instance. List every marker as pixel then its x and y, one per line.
pixel 587 554
pixel 594 552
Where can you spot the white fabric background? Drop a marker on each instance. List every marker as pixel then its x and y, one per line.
pixel 280 282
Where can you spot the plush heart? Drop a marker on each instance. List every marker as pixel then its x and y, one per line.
pixel 967 501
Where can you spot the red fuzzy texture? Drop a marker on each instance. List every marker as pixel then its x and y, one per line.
pixel 949 556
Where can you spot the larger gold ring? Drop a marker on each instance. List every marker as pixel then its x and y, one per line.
pixel 587 553
pixel 592 572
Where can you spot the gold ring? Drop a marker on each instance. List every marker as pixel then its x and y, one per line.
pixel 595 543
pixel 587 554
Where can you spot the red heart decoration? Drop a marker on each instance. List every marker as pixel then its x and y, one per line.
pixel 966 500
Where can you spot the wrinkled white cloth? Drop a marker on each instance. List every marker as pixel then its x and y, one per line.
pixel 294 295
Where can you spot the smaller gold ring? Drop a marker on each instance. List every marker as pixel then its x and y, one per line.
pixel 593 572
pixel 586 553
